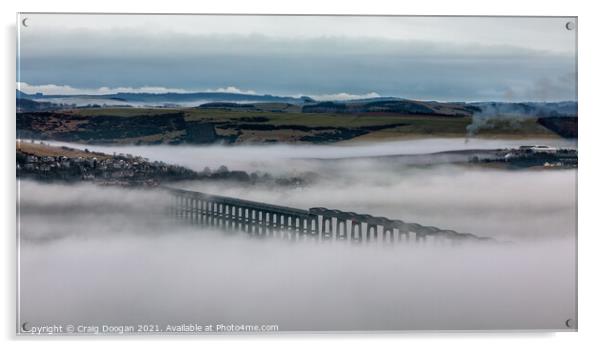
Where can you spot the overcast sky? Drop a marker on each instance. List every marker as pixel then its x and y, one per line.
pixel 429 58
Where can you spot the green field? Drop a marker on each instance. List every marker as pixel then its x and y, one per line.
pixel 283 124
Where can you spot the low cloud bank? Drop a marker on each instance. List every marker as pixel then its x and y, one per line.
pixel 118 260
pixel 53 89
pixel 509 205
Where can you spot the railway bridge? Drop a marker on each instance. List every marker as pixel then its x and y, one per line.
pixel 263 219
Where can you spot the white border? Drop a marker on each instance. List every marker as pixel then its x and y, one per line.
pixel 589 169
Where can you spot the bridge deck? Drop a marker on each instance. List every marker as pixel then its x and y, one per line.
pixel 238 202
pixel 252 216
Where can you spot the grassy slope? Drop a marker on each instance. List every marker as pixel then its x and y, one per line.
pixel 47 150
pixel 417 125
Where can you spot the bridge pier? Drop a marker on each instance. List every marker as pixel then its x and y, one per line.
pixel 245 220
pixel 276 225
pixel 293 228
pixel 225 217
pixel 267 216
pixel 388 234
pixel 219 213
pixel 264 226
pixel 315 229
pixel 177 209
pixel 341 233
pixel 356 231
pixel 190 210
pixel 214 214
pixel 253 222
pixel 305 227
pixel 195 211
pixel 258 231
pixel 326 228
pixel 181 207
pixel 259 219
pixel 372 232
pixel 280 223
pixel 403 236
pixel 284 226
pixel 420 238
pixel 235 217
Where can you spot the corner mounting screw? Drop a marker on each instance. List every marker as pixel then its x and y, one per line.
pixel 25 327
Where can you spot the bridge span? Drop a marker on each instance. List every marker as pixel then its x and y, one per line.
pixel 262 219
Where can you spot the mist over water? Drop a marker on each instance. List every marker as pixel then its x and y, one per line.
pixel 106 255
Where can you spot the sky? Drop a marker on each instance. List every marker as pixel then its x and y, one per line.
pixel 325 57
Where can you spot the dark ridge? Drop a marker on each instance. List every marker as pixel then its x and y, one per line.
pixel 226 105
pixel 566 127
pixel 254 119
pixel 28 105
pixel 270 127
pixel 397 107
pixel 392 107
pixel 324 107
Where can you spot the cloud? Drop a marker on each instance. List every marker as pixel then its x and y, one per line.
pixel 545 88
pixel 52 89
pixel 430 196
pixel 109 255
pixel 343 96
pixel 548 34
pixel 434 59
pixel 46 89
pixel 232 89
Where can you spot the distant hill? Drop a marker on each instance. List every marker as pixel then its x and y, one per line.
pixel 566 127
pixel 28 105
pixel 369 106
pixel 22 94
pixel 177 98
pixel 392 106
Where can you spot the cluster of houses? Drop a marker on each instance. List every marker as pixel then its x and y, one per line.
pixel 535 156
pixel 121 169
pixel 129 170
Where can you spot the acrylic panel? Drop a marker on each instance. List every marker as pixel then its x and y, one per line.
pixel 202 174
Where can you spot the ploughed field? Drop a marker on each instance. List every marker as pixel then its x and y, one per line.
pixel 268 123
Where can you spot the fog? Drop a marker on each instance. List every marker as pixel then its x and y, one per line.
pixel 506 206
pixel 122 262
pixel 287 158
pixel 392 179
pixel 107 255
